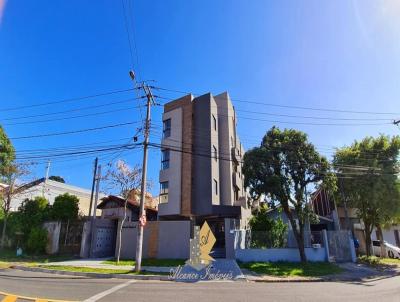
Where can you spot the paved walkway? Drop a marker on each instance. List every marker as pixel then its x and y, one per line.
pixel 98 263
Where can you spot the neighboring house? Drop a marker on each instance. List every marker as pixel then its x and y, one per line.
pixel 201 170
pixel 342 218
pixel 150 201
pixel 277 212
pixel 112 207
pixel 50 189
pixel 324 206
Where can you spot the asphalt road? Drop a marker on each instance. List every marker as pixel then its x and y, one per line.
pixel 80 289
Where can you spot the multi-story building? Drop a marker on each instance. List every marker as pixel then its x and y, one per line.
pixel 201 171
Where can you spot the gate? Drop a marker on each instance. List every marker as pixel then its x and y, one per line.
pixel 339 246
pixel 105 238
pixel 70 237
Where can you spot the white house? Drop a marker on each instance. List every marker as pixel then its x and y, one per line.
pixel 50 189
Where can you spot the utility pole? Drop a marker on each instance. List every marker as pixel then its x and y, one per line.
pixel 346 212
pixel 93 184
pixel 46 177
pixel 142 213
pixel 93 218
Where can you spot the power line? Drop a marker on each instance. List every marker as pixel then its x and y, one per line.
pixel 127 33
pixel 288 106
pixel 67 100
pixel 68 117
pixel 72 110
pixel 283 149
pixel 134 36
pixel 358 172
pixel 299 116
pixel 73 132
pixel 113 148
pixel 70 147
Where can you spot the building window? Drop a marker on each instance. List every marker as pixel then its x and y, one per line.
pixel 236 194
pixel 214 122
pixel 164 159
pixel 215 187
pixel 232 144
pixel 215 153
pixel 167 128
pixel 164 192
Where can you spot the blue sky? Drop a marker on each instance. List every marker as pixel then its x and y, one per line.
pixel 319 54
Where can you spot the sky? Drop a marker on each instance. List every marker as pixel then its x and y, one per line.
pixel 335 55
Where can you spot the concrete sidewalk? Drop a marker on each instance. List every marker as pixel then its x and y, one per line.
pixel 98 263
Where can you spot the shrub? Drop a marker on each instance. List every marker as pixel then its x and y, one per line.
pixel 37 241
pixel 65 207
pixel 35 212
pixel 267 232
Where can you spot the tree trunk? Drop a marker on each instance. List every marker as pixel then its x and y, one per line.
pixel 300 243
pixel 380 235
pixel 6 210
pixel 3 233
pixel 120 233
pixel 298 234
pixel 368 240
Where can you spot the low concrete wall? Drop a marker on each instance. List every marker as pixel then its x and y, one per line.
pixel 53 236
pixel 275 255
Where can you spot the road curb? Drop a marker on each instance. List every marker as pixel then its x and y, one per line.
pixel 324 279
pixel 92 275
pixel 166 278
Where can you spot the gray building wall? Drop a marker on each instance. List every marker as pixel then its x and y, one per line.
pixel 173 173
pixel 173 239
pixel 225 132
pixel 202 175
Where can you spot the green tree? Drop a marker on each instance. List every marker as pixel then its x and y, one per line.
pixel 281 168
pixel 57 178
pixel 7 156
pixel 34 212
pixel 10 174
pixel 369 181
pixel 37 240
pixel 65 207
pixel 7 152
pixel 267 232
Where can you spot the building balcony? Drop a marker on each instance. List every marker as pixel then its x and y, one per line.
pixel 235 154
pixel 237 181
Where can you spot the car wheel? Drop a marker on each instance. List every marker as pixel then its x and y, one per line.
pixel 390 254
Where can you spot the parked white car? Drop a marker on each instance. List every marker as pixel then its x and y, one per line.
pixel 392 251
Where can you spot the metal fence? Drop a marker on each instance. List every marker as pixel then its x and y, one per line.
pixel 247 239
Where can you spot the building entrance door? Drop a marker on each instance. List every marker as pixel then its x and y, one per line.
pixel 218 229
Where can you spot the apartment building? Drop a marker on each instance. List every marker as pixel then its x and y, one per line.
pixel 201 170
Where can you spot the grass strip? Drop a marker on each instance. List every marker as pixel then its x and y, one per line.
pixel 291 269
pixel 97 270
pixel 378 262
